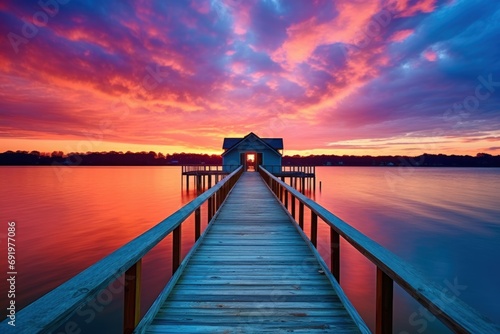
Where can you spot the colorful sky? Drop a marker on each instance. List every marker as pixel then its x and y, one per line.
pixel 333 77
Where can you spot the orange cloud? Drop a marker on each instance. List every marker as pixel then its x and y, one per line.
pixel 305 37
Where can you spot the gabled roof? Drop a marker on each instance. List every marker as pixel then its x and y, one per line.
pixel 274 143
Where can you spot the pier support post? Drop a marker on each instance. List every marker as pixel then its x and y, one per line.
pixel 301 215
pixel 132 295
pixel 286 199
pixel 176 251
pixel 314 229
pixel 198 184
pixel 210 209
pixel 384 303
pixel 335 254
pixel 197 224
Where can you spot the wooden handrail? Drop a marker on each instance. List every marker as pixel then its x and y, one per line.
pixel 440 301
pixel 307 169
pixel 53 309
pixel 208 168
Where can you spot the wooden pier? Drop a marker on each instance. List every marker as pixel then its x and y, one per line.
pixel 253 270
pixel 204 176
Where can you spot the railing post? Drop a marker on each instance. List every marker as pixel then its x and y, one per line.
pixel 314 228
pixel 286 198
pixel 210 209
pixel 384 303
pixel 176 252
pixel 335 254
pixel 293 206
pixel 301 215
pixel 214 203
pixel 217 200
pixel 197 224
pixel 132 298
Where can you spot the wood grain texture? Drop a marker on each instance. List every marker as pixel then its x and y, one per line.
pixel 252 273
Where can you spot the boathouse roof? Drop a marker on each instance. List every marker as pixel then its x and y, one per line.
pixel 275 143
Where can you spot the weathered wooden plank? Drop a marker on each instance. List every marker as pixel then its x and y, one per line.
pixel 264 312
pixel 281 321
pixel 271 283
pixel 268 290
pixel 247 328
pixel 262 305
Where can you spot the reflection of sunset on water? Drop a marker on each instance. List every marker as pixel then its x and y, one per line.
pixel 442 221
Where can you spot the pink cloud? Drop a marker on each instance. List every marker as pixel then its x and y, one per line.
pixel 430 55
pixel 406 9
pixel 401 35
pixel 305 37
pixel 202 7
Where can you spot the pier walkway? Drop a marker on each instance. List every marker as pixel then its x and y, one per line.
pixel 253 272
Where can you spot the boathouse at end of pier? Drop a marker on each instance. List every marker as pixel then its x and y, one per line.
pixel 252 151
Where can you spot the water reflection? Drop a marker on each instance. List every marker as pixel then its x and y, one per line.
pixel 66 224
pixel 445 222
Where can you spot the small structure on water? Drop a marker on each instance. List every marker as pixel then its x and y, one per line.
pixel 252 151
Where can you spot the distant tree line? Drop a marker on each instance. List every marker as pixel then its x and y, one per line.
pixel 112 158
pixel 424 160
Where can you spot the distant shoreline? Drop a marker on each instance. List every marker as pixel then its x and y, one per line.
pixel 57 158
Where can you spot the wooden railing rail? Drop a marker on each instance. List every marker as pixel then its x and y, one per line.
pixel 209 168
pixel 282 169
pixel 440 301
pixel 53 309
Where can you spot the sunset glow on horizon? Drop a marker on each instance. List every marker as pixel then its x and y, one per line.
pixel 385 77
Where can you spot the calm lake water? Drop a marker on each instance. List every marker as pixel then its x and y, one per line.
pixel 445 222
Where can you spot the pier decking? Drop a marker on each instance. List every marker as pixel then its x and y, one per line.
pixel 253 272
